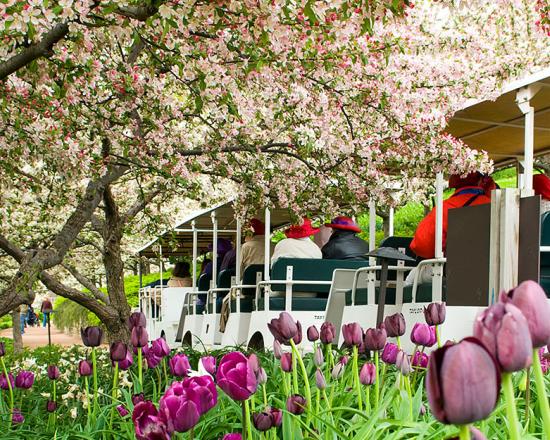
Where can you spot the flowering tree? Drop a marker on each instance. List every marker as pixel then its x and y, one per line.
pixel 284 99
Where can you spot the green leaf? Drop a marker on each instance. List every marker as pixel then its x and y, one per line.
pixel 310 13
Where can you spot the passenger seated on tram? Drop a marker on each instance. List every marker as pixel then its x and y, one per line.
pixel 224 246
pixel 344 244
pixel 205 262
pixel 181 275
pixel 297 243
pixel 253 250
pixel 229 260
pixel 541 186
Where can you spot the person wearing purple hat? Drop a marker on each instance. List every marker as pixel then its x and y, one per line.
pixel 224 246
pixel 344 244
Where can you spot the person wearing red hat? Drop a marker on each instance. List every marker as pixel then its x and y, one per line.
pixel 253 251
pixel 344 244
pixel 541 186
pixel 297 243
pixel 469 191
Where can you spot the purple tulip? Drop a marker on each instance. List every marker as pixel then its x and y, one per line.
pixel 209 364
pixel 2 349
pixel 160 348
pixel 375 338
pixel 277 349
pixel 389 354
pixel 24 380
pixel 136 398
pixel 504 331
pixel 276 416
pixel 91 336
pixel 338 370
pixel 395 325
pixel 53 372
pixel 122 411
pixel 137 319
pixel 344 359
pixel 179 365
pixel 16 416
pixel 283 328
pixel 367 375
pixel 298 336
pixel 127 361
pixel 353 334
pixel 139 337
pixel 403 363
pixel 236 377
pixel 51 406
pixel 254 362
pixel 118 351
pixel 4 382
pixel 462 383
pixel 312 333
pixel 184 402
pixel 435 313
pixel 318 358
pixel 152 360
pixel 296 404
pixel 233 436
pixel 327 333
pixel 420 359
pixel 320 380
pixel 85 368
pixel 286 362
pixel 147 424
pixel 423 334
pixel 262 421
pixel 533 303
pixel 261 376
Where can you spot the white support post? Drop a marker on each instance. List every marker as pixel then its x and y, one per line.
pixel 267 244
pixel 523 98
pixel 390 221
pixel 214 282
pixel 195 254
pixel 160 263
pixel 439 216
pixel 238 251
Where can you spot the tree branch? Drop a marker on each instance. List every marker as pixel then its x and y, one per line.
pixel 87 283
pixel 140 205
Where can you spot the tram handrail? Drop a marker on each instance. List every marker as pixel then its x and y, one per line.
pixel 545 249
pixel 288 294
pixel 431 261
pixel 361 270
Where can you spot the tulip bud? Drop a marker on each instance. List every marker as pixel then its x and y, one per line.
pixel 139 337
pixel 395 325
pixel 375 338
pixel 312 333
pixel 118 351
pixel 389 354
pixel 209 364
pixel 254 362
pixel 123 412
pixel 338 371
pixel 233 436
pixel 179 365
pixel 344 359
pixel 24 380
pixel 435 313
pixel 504 331
pixel 353 334
pixel 327 333
pixel 51 406
pixel 91 336
pixel 286 362
pixel 160 348
pixel 276 416
pixel 262 421
pixel 403 363
pixel 137 319
pixel 84 368
pixel 16 416
pixel 296 404
pixel 2 349
pixel 4 385
pixel 236 377
pixel 152 360
pixel 298 336
pixel 462 382
pixel 127 361
pixel 261 376
pixel 423 334
pixel 367 375
pixel 320 380
pixel 420 359
pixel 53 372
pixel 277 349
pixel 318 358
pixel 283 328
pixel 533 303
pixel 136 398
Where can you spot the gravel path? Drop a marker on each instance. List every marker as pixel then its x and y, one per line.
pixel 38 337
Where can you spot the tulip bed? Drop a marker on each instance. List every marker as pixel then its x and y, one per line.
pixel 491 386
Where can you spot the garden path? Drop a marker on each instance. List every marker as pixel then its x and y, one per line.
pixel 38 337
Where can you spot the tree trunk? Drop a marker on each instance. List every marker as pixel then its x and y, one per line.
pixel 17 338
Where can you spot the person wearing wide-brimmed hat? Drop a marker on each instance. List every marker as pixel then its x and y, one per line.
pixel 298 243
pixel 344 244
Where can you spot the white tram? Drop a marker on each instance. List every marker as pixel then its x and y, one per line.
pixel 489 248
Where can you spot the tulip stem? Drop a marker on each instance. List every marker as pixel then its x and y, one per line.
pixel 398 342
pixel 247 428
pixel 140 370
pixel 294 373
pixel 94 368
pixel 511 413
pixel 165 372
pixel 541 393
pixel 356 378
pixel 9 387
pixel 114 394
pixel 328 358
pixel 376 382
pixel 265 394
pixel 304 374
pixel 89 400
pixel 438 338
pixel 409 394
pixel 464 433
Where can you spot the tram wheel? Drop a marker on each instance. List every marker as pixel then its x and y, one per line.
pixel 256 342
pixel 187 340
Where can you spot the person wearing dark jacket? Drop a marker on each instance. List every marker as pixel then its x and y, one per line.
pixel 344 244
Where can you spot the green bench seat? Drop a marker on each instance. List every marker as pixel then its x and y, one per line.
pixel 423 294
pixel 247 305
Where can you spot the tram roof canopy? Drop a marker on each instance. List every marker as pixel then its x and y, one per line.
pixel 498 126
pixel 179 241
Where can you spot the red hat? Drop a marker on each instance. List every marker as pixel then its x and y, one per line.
pixel 344 223
pixel 257 226
pixel 472 179
pixel 301 231
pixel 541 185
